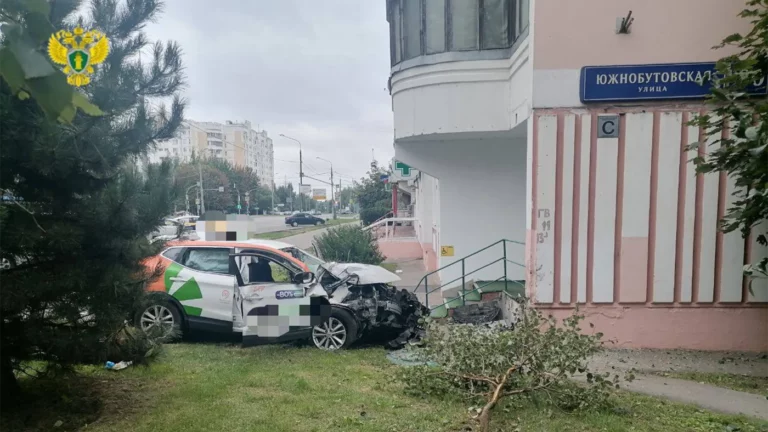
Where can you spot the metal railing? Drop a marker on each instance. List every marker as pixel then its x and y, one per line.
pixel 464 274
pixel 389 214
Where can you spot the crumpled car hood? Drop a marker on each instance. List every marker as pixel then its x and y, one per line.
pixel 368 273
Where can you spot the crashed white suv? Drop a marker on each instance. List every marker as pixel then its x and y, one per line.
pixel 363 301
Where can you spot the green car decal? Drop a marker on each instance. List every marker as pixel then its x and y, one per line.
pixel 190 290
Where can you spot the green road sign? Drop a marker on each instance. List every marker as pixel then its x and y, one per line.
pixel 239 207
pixel 404 169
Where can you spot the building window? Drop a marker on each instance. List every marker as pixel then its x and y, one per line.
pixel 435 22
pixel 412 28
pixel 420 27
pixel 494 31
pixel 464 24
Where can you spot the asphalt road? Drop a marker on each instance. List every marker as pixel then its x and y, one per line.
pixel 264 224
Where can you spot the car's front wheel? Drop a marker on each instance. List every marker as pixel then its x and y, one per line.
pixel 339 332
pixel 317 223
pixel 160 319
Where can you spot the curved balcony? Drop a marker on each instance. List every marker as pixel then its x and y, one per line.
pixel 425 32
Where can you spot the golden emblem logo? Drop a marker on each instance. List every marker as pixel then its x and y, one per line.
pixel 78 51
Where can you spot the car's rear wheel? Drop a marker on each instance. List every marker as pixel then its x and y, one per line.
pixel 294 224
pixel 160 319
pixel 339 332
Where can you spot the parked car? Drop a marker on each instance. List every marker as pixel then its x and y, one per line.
pixel 303 219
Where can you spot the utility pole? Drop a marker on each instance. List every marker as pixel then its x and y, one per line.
pixel 202 195
pixel 333 206
pixel 238 198
pixel 339 193
pixel 273 195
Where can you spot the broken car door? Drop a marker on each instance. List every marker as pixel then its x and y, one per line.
pixel 278 301
pixel 203 284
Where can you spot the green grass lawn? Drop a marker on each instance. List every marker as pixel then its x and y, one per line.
pixel 274 235
pixel 222 387
pixel 749 384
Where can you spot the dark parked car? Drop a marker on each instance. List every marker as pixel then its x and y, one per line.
pixel 303 219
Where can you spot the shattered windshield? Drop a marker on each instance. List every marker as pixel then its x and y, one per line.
pixel 311 261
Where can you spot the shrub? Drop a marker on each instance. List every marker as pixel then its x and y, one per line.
pixel 348 243
pixel 371 215
pixel 537 359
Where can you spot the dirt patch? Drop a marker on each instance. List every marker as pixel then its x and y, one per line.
pixel 73 402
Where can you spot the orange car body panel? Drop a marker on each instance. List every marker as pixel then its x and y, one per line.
pixel 159 283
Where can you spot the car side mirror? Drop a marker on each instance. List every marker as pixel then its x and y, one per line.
pixel 303 278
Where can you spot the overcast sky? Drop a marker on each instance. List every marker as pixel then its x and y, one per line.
pixel 313 70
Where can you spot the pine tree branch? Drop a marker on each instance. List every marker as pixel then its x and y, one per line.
pixel 31 213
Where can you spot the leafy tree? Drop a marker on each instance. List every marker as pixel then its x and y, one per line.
pixel 188 175
pixel 79 211
pixel 370 191
pixel 282 193
pixel 742 153
pixel 239 179
pixel 537 358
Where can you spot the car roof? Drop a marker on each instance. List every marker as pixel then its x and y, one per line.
pixel 269 243
pixel 240 244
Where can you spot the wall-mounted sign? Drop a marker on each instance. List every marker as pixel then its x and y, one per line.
pixel 402 171
pixel 446 251
pixel 305 189
pixel 649 82
pixel 608 126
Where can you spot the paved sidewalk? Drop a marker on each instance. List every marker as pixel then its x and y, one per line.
pixel 411 271
pixel 691 392
pixel 704 395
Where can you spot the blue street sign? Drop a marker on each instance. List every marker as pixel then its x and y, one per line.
pixel 649 82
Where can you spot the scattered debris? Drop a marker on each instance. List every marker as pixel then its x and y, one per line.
pixel 409 357
pixel 380 305
pixel 365 291
pixel 477 313
pixel 117 366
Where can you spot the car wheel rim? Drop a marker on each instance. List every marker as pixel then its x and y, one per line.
pixel 330 335
pixel 157 318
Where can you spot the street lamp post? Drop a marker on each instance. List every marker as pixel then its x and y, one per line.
pixel 186 195
pixel 238 197
pixel 333 203
pixel 248 201
pixel 301 169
